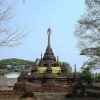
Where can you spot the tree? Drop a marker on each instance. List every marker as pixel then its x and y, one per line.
pixel 88 31
pixel 8 37
pixel 87 75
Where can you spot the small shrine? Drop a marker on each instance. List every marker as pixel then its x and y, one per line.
pixel 47 75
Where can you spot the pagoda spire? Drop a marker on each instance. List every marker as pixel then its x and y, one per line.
pixel 49 58
pixel 49 37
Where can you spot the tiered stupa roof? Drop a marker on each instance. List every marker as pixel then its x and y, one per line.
pixel 49 57
pixel 47 75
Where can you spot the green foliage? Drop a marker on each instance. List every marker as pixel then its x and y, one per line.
pixel 14 65
pixel 15 62
pixel 86 75
pixel 97 77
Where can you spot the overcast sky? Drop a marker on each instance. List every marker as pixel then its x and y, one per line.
pixel 34 17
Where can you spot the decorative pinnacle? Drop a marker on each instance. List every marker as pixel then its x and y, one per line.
pixel 49 36
pixel 75 70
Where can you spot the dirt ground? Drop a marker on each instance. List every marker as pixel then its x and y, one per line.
pixel 51 99
pixel 46 96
